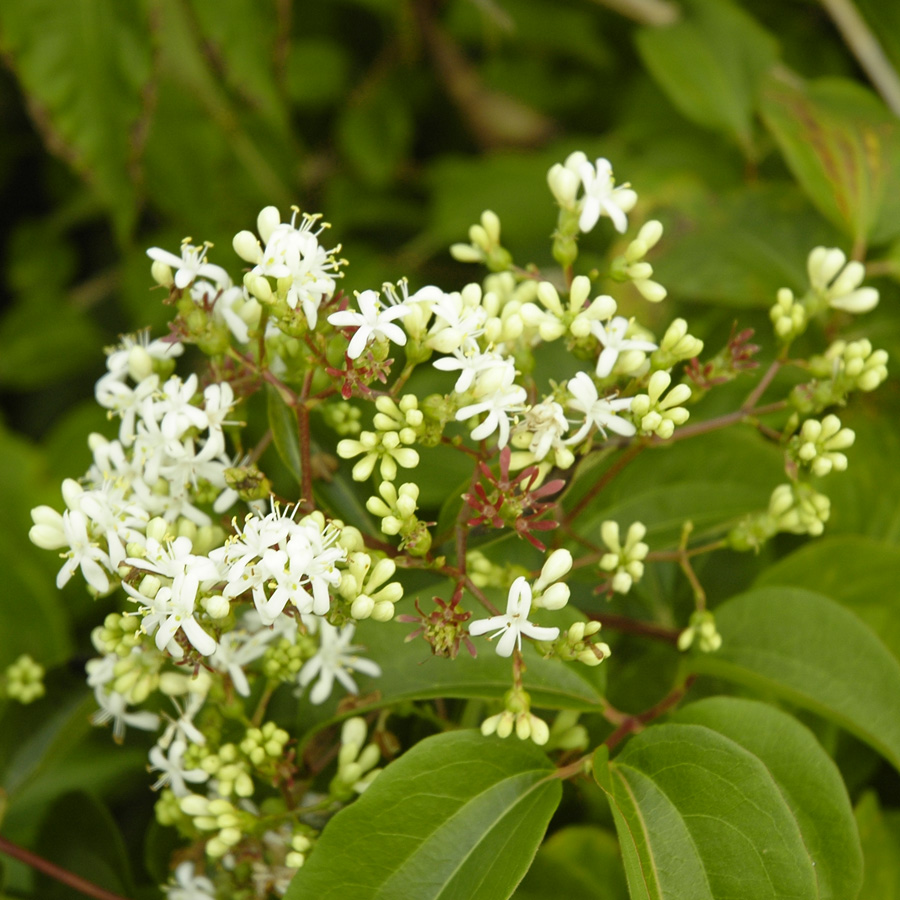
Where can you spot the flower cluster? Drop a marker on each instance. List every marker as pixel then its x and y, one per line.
pixel 224 518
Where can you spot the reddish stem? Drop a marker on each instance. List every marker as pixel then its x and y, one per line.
pixel 64 876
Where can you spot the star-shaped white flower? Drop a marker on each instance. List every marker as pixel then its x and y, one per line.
pixel 335 659
pixel 515 623
pixel 599 411
pixel 373 321
pixel 612 336
pixel 602 198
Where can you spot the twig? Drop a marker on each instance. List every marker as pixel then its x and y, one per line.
pixel 64 876
pixel 868 51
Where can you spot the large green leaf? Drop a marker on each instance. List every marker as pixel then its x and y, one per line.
pixel 84 65
pixel 710 64
pixel 701 818
pixel 806 777
pixel 843 146
pixel 859 573
pixel 809 650
pixel 80 834
pixel 457 817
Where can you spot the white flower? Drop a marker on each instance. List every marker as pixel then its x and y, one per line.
pixel 172 768
pixel 114 705
pixel 191 264
pixel 506 398
pixel 84 553
pixel 372 322
pixel 598 411
pixel 515 622
pixel 612 336
pixel 601 198
pixel 335 659
pixel 189 885
pixel 838 283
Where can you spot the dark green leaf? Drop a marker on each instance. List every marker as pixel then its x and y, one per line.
pixel 80 835
pixel 811 651
pixel 283 422
pixel 806 777
pixel 710 64
pixel 843 146
pixel 701 818
pixel 859 573
pixel 84 65
pixel 457 817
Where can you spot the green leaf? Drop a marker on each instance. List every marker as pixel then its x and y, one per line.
pixel 809 650
pixel 581 862
pixel 84 65
pixel 80 835
pixel 858 572
pixel 710 65
pixel 66 342
pixel 242 35
pixel 736 248
pixel 697 480
pixel 457 817
pixel 283 422
pixel 843 146
pixel 806 777
pixel 879 833
pixel 374 133
pixel 701 818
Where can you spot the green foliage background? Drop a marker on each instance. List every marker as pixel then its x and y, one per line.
pixel 749 129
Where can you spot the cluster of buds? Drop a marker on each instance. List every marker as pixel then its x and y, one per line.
pixel 517 717
pixel 624 561
pixel 633 267
pixel 655 414
pixel 23 680
pixel 484 245
pixel 396 507
pixel 819 445
pixel 579 643
pixel 357 761
pixel 701 632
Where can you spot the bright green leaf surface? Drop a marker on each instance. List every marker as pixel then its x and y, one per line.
pixel 859 573
pixel 458 817
pixel 701 818
pixel 806 648
pixel 806 777
pixel 843 146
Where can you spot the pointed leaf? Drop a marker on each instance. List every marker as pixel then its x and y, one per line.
pixel 283 422
pixel 858 572
pixel 808 780
pixel 710 64
pixel 843 146
pixel 813 652
pixel 701 818
pixel 458 817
